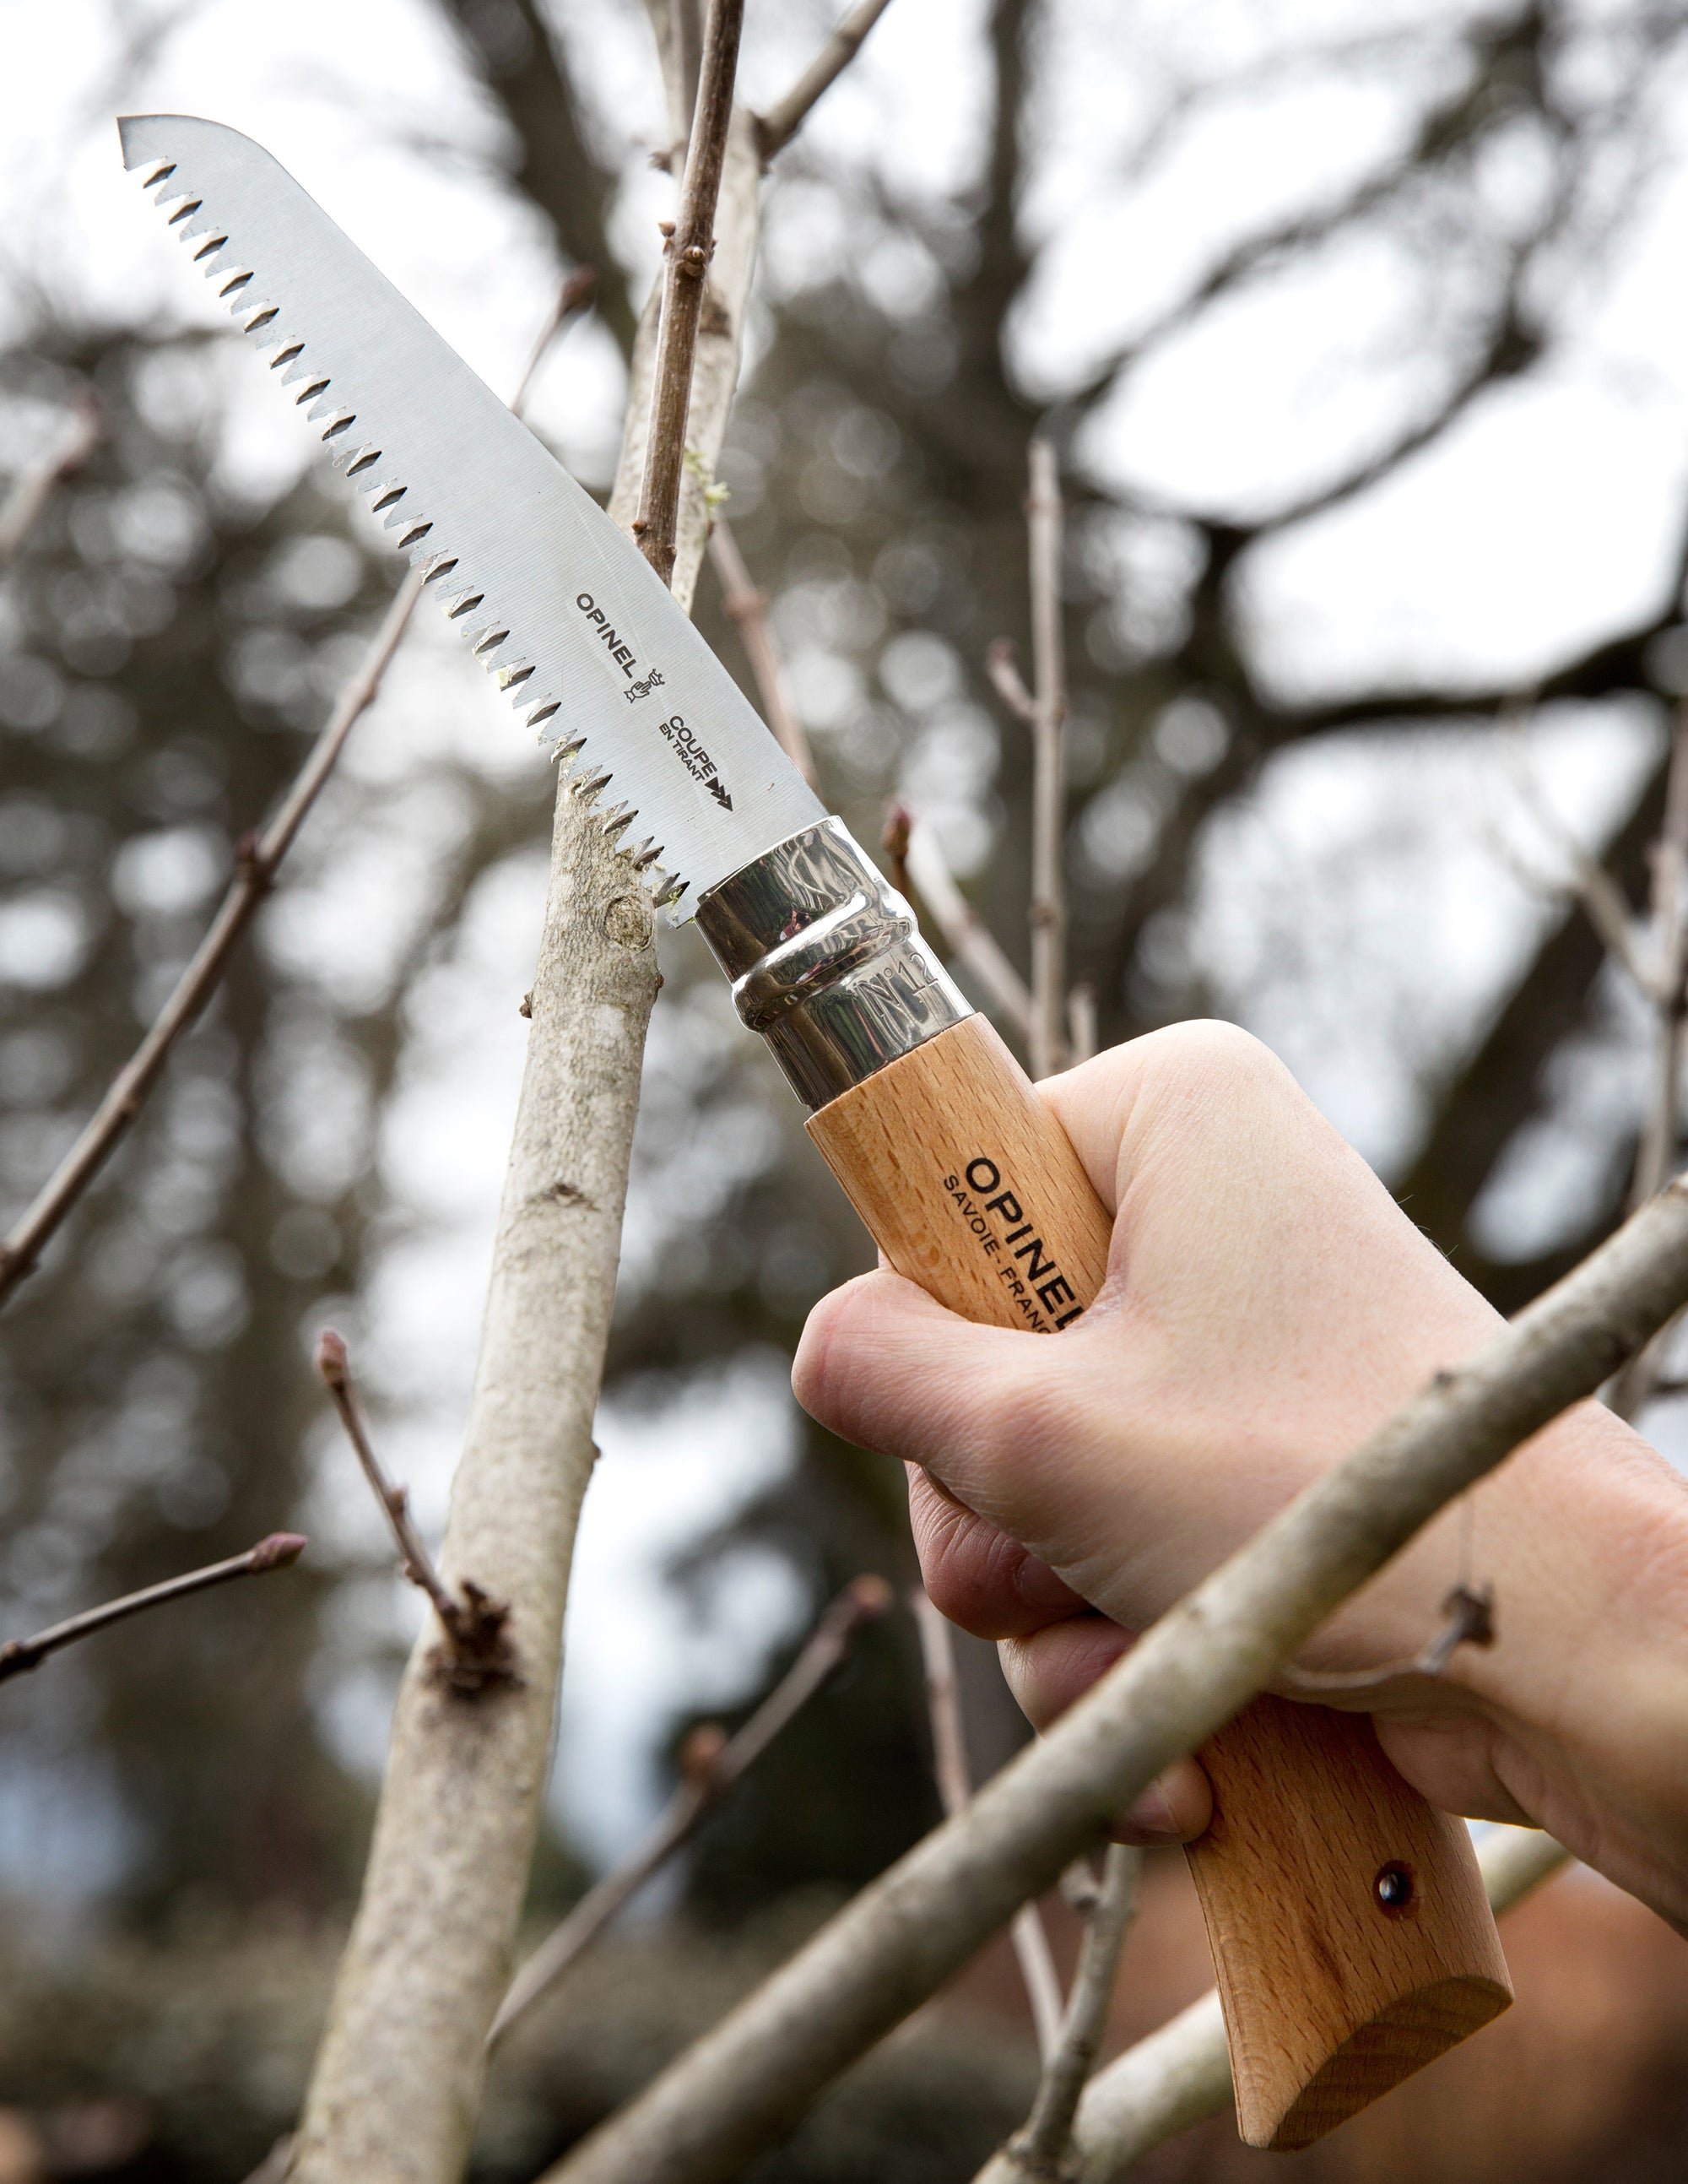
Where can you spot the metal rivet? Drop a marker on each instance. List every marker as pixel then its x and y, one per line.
pixel 1393 1887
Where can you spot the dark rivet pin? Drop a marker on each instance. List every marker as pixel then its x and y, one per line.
pixel 1393 1887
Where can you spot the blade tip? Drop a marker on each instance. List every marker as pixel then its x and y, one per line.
pixel 146 137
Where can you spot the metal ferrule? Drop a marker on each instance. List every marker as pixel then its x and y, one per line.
pixel 826 962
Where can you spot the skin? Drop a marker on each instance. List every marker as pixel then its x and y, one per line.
pixel 1268 1304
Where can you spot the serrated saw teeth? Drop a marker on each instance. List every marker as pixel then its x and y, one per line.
pixel 375 379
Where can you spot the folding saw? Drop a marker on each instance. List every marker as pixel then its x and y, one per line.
pixel 1350 1932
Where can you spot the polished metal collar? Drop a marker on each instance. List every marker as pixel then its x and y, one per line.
pixel 826 962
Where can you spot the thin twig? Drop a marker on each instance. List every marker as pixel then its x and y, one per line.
pixel 576 294
pixel 1002 667
pixel 1082 1028
pixel 776 127
pixel 954 1781
pixel 477 1649
pixel 1662 1124
pixel 1040 2149
pixel 1469 1613
pixel 1656 1157
pixel 1047 912
pixel 916 857
pixel 687 249
pixel 712 2109
pixel 710 1767
pixel 26 502
pixel 748 608
pixel 334 1366
pixel 279 1551
pixel 258 859
pixel 275 2165
pixel 1588 882
pixel 1181 2074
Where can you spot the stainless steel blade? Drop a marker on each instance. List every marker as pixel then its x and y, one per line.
pixel 556 600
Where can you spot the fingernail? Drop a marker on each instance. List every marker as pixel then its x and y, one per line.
pixel 1152 1815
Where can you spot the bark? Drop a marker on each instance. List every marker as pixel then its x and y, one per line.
pixel 397 2080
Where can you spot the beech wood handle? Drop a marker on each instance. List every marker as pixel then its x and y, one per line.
pixel 1352 1938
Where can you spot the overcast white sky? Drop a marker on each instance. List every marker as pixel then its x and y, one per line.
pixel 1542 523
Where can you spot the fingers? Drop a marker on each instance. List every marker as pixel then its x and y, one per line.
pixel 1050 1668
pixel 976 1574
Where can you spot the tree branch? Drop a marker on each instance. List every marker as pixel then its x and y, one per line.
pixel 397 2083
pixel 1047 910
pixel 278 1551
pixel 478 1652
pixel 714 2108
pixel 1661 1123
pixel 955 1779
pixel 711 1767
pixel 1040 2151
pixel 26 502
pixel 776 127
pixel 1181 2074
pixel 257 860
pixel 748 608
pixel 687 251
pixel 917 859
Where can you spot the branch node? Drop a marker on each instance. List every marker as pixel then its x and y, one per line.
pixel 478 1652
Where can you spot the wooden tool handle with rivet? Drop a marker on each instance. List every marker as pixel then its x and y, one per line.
pixel 1352 1938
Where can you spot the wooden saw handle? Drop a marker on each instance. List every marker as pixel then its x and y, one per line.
pixel 1333 1993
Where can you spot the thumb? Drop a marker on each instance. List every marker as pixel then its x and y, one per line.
pixel 883 1365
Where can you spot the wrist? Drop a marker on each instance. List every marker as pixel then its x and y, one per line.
pixel 1586 1690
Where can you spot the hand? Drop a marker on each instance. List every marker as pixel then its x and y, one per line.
pixel 1268 1304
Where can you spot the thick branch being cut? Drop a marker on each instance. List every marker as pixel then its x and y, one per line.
pixel 723 2100
pixel 397 2079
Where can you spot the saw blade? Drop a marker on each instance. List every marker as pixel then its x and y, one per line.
pixel 555 600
